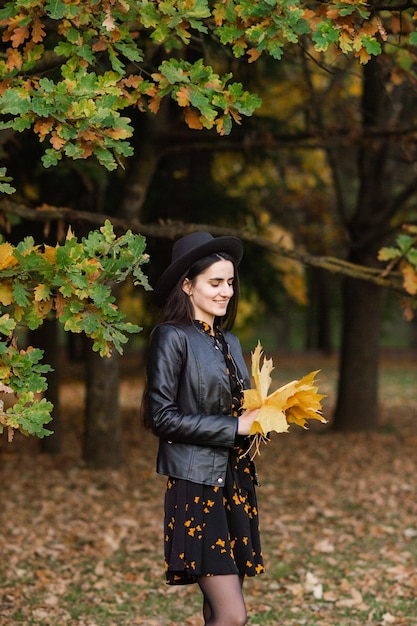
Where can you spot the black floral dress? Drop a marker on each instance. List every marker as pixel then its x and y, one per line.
pixel 210 531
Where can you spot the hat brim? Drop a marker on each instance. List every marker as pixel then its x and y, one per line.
pixel 173 273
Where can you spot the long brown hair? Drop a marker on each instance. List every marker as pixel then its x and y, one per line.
pixel 178 309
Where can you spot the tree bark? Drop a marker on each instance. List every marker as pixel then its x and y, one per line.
pixel 319 323
pixel 357 400
pixel 102 431
pixel 357 407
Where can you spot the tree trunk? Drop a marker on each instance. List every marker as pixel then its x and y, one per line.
pixel 102 432
pixel 357 400
pixel 319 327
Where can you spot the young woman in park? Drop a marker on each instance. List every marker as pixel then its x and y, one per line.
pixel 195 378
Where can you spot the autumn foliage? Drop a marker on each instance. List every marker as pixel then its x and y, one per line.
pixel 70 69
pixel 73 282
pixel 403 258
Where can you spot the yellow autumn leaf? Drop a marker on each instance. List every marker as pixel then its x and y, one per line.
pixel 43 128
pixel 252 399
pixel 49 253
pixel 345 41
pixel 18 312
pixel 253 55
pixel 272 417
pixel 183 97
pixel 261 375
pixel 305 404
pixel 38 30
pixel 6 256
pixel 269 418
pixel 6 293
pixel 295 402
pixel 19 35
pixel 59 305
pixel 108 23
pixel 57 141
pixel 5 372
pixel 409 277
pixel 41 293
pixel 192 119
pixel 70 234
pixel 42 308
pixel 363 56
pixel 154 104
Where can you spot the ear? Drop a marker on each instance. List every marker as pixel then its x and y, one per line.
pixel 186 286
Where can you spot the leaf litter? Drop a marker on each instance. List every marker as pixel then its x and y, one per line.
pixel 338 519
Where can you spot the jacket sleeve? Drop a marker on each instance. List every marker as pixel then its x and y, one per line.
pixel 165 369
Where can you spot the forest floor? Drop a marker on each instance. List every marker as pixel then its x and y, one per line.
pixel 338 519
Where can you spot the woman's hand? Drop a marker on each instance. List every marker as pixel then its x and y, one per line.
pixel 246 420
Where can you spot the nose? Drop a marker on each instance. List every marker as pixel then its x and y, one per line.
pixel 227 290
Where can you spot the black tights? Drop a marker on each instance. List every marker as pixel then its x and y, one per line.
pixel 223 600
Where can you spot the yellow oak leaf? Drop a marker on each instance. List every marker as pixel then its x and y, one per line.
pixel 192 119
pixel 41 292
pixel 70 234
pixel 132 81
pixel 42 308
pixel 345 41
pixel 6 256
pixel 38 30
pixel 154 104
pixel 6 293
pixel 183 97
pixel 409 277
pixel 363 56
pixel 59 305
pixel 20 34
pixel 253 55
pixel 308 14
pixel 14 59
pixel 236 117
pixel 57 141
pixel 49 253
pixel 18 313
pixel 108 23
pixel 43 128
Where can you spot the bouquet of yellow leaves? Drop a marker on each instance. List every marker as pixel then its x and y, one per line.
pixel 293 403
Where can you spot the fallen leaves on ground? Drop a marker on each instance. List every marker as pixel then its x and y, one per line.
pixel 338 519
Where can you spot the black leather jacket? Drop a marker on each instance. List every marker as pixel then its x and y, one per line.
pixel 190 402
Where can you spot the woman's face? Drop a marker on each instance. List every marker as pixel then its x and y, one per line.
pixel 210 291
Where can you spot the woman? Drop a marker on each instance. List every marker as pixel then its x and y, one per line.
pixel 195 377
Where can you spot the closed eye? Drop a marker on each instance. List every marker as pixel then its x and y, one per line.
pixel 215 282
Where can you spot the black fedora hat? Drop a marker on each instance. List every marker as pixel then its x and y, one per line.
pixel 190 249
